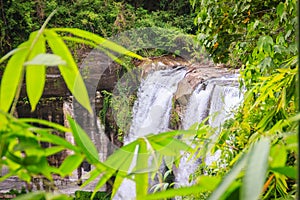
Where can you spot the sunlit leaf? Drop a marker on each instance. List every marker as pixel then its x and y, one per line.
pixel 141 179
pixel 43 122
pixel 53 150
pixel 35 74
pixel 92 176
pixel 120 176
pixel 11 53
pixel 278 156
pixel 12 76
pixel 257 165
pixel 70 73
pixel 94 45
pixel 71 163
pixel 122 158
pixel 100 41
pixel 104 178
pixel 47 136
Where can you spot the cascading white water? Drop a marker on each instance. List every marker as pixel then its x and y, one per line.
pixel 217 98
pixel 151 113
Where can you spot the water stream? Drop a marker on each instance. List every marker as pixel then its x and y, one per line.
pixel 217 98
pixel 151 113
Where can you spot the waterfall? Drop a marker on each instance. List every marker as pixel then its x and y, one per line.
pixel 217 98
pixel 151 113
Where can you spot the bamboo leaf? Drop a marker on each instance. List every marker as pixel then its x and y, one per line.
pixel 92 176
pixel 53 150
pixel 11 53
pixel 70 73
pixel 35 75
pixel 105 177
pixel 257 166
pixel 117 183
pixel 100 41
pixel 92 44
pixel 83 141
pixel 71 163
pixel 43 122
pixel 122 158
pixel 12 76
pixel 46 136
pixel 141 179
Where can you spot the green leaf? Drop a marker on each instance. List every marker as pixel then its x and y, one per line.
pixel 118 181
pixel 35 75
pixel 264 43
pixel 12 76
pixel 70 73
pixel 122 158
pixel 212 180
pixel 83 141
pixel 267 62
pixel 104 178
pixel 141 179
pixel 53 150
pixel 92 176
pixel 91 44
pixel 278 156
pixel 71 163
pixel 287 171
pixel 257 166
pixel 292 142
pixel 11 53
pixel 43 122
pixel 100 41
pixel 168 146
pixel 46 136
pixel 280 9
pixel 46 59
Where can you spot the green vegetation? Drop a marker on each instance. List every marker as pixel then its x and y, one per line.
pixel 105 18
pixel 259 145
pixel 82 195
pixel 260 38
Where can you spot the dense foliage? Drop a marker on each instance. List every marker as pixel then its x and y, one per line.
pixel 106 18
pixel 259 37
pixel 259 145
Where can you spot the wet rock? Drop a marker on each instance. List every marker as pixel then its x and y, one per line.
pixel 198 73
